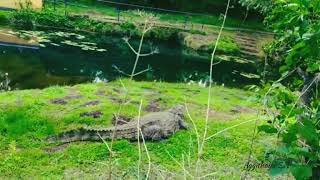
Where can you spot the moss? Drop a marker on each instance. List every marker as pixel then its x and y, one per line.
pixel 23 154
pixel 226 45
pixel 206 43
pixel 4 17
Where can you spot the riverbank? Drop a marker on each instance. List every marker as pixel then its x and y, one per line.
pixel 234 43
pixel 29 116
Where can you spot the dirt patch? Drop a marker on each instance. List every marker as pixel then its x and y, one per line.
pixel 196 41
pixel 59 101
pixel 116 100
pixel 193 91
pixel 220 115
pixel 64 100
pixel 58 148
pixel 216 115
pixel 150 92
pixel 242 109
pixel 154 106
pixel 73 96
pixel 94 114
pixel 91 103
pixel 101 92
pixel 121 120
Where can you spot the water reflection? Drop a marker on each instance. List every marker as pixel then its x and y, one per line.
pixel 65 64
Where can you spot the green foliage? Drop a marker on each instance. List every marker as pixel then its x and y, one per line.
pixel 296 49
pixel 298 127
pixel 162 33
pixel 297 24
pixel 226 45
pixel 28 19
pixel 201 6
pixel 264 6
pixel 4 17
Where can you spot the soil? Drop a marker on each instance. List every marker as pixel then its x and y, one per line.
pixel 94 114
pixel 154 106
pixel 91 103
pixel 57 148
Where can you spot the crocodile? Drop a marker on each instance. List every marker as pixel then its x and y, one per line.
pixel 154 127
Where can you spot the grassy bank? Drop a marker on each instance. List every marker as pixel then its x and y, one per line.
pixel 106 10
pixel 29 116
pixel 27 19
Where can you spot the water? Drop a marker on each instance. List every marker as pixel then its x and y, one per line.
pixel 68 65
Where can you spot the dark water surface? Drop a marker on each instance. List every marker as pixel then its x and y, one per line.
pixel 68 65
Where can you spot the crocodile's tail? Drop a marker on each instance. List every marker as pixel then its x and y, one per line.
pixel 81 134
pixel 87 134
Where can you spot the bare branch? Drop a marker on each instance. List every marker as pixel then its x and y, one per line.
pixel 210 89
pixel 104 142
pixel 120 71
pixel 143 71
pixel 182 166
pixel 126 40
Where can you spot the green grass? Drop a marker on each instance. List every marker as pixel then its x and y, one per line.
pixel 28 117
pixel 226 45
pixel 102 10
pixel 4 17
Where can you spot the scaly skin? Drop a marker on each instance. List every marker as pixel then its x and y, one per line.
pixel 154 126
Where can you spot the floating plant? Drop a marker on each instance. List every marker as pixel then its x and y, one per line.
pixel 58 38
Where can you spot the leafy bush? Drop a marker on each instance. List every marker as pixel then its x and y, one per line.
pixel 162 33
pixel 4 18
pixel 297 49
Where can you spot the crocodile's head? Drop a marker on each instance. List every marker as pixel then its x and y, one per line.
pixel 179 110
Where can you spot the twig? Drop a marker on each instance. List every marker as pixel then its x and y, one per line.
pixel 184 169
pixel 231 127
pixel 114 130
pixel 139 51
pixel 104 142
pixel 138 138
pixel 143 71
pixel 194 126
pixel 210 88
pixel 147 152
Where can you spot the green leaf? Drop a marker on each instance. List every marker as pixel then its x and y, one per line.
pixel 267 129
pixel 291 135
pixel 278 169
pixel 301 172
pixel 308 131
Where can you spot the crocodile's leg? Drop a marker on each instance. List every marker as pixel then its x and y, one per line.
pixel 154 133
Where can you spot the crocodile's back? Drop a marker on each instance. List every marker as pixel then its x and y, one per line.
pixel 166 122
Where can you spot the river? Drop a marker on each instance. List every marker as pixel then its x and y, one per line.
pixel 68 58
